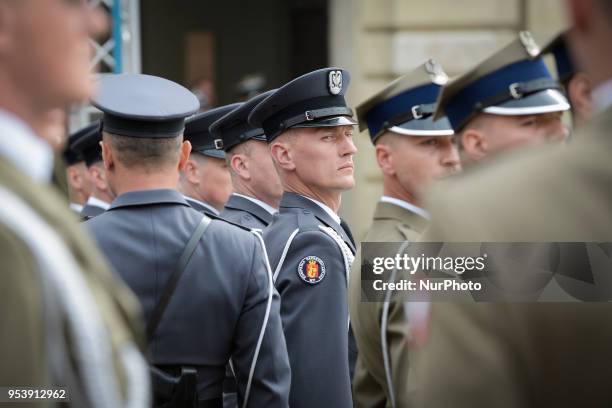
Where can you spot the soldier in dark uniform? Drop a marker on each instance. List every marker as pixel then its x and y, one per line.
pixel 224 304
pixel 257 188
pixel 309 128
pixel 88 146
pixel 77 176
pixel 205 180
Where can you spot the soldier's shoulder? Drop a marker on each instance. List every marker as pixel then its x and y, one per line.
pixel 390 230
pixel 14 249
pixel 98 222
pixel 231 228
pixel 20 252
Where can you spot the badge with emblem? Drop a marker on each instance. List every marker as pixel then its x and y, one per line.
pixel 335 82
pixel 436 73
pixel 529 43
pixel 311 270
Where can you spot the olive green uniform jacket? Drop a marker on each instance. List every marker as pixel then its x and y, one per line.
pixel 391 224
pixel 525 355
pixel 42 341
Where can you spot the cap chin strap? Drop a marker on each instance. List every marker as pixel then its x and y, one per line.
pixel 311 115
pixel 518 90
pixel 416 112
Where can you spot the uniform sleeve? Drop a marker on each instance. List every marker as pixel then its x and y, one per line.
pixel 315 322
pixel 21 316
pixel 468 361
pixel 270 384
pixel 366 390
pixel 399 356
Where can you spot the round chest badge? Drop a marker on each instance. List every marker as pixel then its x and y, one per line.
pixel 311 269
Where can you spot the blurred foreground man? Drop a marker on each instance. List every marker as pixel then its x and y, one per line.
pixel 532 355
pixel 65 320
pixel 508 101
pixel 205 180
pixel 101 195
pixel 257 188
pixel 310 132
pixel 412 152
pixel 203 283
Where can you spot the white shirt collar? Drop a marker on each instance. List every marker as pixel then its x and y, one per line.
pixel 202 203
pixel 602 96
pixel 76 207
pixel 406 205
pixel 29 153
pixel 328 210
pixel 260 203
pixel 96 202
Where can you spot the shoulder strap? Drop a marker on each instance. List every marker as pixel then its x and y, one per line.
pixel 176 276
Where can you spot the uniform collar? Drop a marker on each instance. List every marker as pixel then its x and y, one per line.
pixel 328 210
pixel 406 205
pixel 388 211
pixel 292 200
pixel 602 96
pixel 260 203
pixel 96 202
pixel 147 197
pixel 77 208
pixel 252 206
pixel 27 152
pixel 201 205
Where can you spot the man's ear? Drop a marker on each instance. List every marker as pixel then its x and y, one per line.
pixel 240 166
pixel 282 154
pixel 579 91
pixel 74 178
pixel 96 177
pixel 107 156
pixel 474 143
pixel 184 154
pixel 384 158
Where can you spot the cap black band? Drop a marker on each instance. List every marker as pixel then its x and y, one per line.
pixel 143 128
pixel 308 110
pixel 71 158
pixel 313 115
pixel 518 90
pixel 416 112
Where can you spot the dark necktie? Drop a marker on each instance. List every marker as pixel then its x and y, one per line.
pixel 347 230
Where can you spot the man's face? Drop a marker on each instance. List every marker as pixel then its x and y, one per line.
pixel 98 176
pixel 46 49
pixel 323 157
pixel 215 184
pixel 264 178
pixel 501 133
pixel 79 179
pixel 418 161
